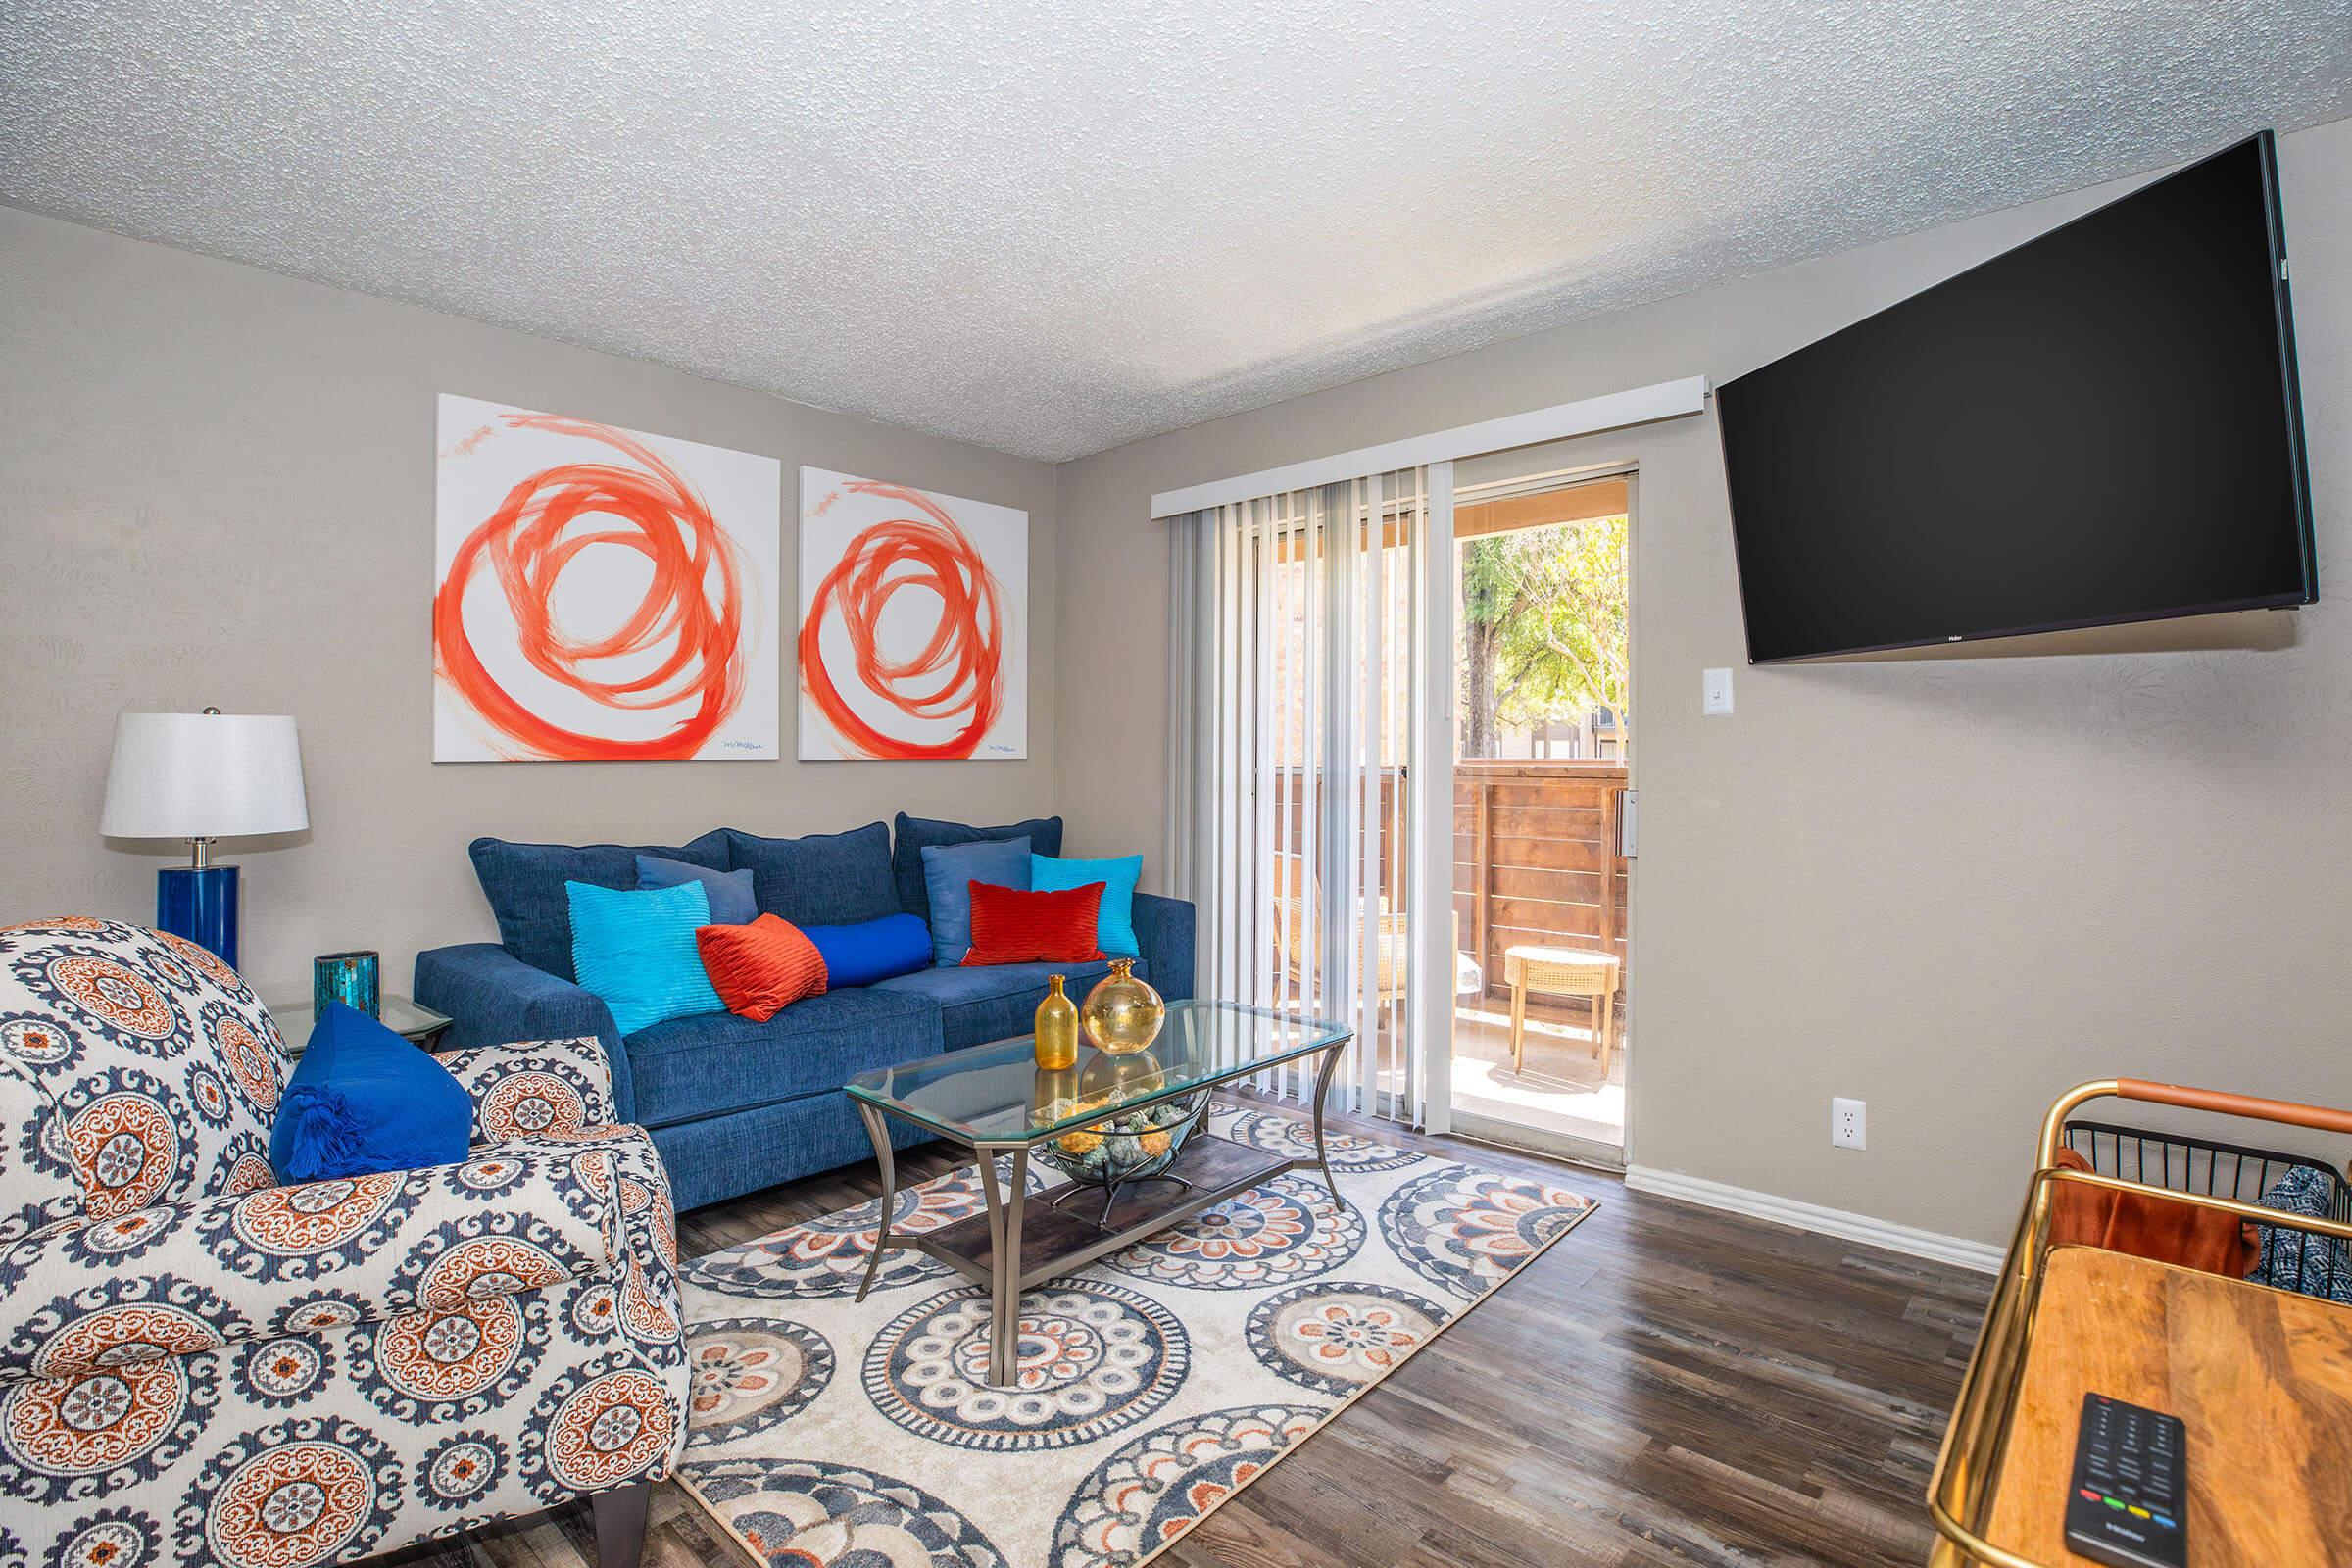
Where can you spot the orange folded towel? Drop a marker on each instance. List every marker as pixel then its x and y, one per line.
pixel 2151 1227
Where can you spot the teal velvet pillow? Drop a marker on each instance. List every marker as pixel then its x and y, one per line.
pixel 1114 926
pixel 636 949
pixel 362 1100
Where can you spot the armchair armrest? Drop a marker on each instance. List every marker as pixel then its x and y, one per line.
pixel 492 998
pixel 532 1087
pixel 182 1278
pixel 1163 929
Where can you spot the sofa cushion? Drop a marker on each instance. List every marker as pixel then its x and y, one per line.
pixel 871 950
pixel 761 968
pixel 1114 926
pixel 821 879
pixel 524 884
pixel 950 871
pixel 732 902
pixel 916 833
pixel 635 952
pixel 999 1002
pixel 703 1066
pixel 1054 926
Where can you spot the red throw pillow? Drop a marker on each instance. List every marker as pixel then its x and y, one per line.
pixel 1011 926
pixel 757 968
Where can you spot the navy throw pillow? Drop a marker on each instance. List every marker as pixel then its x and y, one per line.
pixel 362 1100
pixel 524 884
pixel 731 900
pixel 871 950
pixel 949 870
pixel 914 834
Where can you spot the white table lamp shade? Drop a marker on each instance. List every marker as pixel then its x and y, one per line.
pixel 204 776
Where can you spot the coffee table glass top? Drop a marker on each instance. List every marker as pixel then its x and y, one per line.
pixel 997 1094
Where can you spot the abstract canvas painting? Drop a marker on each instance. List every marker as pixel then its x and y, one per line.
pixel 914 618
pixel 601 595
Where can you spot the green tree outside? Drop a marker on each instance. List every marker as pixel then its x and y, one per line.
pixel 1545 623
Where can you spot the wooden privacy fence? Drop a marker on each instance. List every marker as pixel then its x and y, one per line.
pixel 1535 857
pixel 1535 854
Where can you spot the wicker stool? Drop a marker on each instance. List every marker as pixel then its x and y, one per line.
pixel 1561 972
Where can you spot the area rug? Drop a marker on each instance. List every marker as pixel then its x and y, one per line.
pixel 1153 1385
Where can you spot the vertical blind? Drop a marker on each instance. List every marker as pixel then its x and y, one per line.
pixel 1295 695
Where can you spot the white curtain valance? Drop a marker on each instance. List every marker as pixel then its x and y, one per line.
pixel 1662 400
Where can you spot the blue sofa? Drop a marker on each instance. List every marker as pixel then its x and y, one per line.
pixel 735 1106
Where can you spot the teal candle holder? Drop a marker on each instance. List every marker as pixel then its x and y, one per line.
pixel 346 977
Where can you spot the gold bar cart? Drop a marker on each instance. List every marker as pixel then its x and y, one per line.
pixel 2262 1377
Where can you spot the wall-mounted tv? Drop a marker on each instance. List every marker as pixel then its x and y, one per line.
pixel 2100 425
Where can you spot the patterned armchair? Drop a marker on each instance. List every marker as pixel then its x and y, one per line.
pixel 198 1365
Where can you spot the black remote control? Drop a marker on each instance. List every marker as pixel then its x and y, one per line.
pixel 2128 1505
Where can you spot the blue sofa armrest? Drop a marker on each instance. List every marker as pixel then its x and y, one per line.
pixel 493 998
pixel 1163 929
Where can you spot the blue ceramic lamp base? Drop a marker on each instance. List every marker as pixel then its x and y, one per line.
pixel 200 903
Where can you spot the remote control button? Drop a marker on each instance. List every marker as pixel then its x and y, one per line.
pixel 2089 1495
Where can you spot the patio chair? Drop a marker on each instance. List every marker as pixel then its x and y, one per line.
pixel 1304 950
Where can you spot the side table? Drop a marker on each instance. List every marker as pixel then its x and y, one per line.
pixel 402 1017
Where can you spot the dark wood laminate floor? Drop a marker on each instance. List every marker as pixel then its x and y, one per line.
pixel 1669 1385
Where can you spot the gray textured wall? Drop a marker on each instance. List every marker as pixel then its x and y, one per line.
pixel 215 486
pixel 1949 887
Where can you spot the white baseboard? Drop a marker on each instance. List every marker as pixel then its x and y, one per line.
pixel 1838 1222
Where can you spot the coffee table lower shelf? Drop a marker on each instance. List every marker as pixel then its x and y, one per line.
pixel 1046 1237
pixel 1060 1241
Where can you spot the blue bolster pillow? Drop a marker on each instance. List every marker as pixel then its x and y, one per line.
pixel 871 950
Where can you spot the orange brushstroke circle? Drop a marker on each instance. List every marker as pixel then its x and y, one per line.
pixel 959 672
pixel 525 546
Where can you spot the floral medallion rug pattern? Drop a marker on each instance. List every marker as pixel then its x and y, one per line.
pixel 1152 1385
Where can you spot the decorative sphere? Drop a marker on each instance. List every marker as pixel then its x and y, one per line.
pixel 1122 1015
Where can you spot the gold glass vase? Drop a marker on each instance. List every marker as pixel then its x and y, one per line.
pixel 1122 1015
pixel 1057 1028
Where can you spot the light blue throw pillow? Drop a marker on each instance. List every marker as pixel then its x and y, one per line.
pixel 949 872
pixel 636 949
pixel 729 891
pixel 1114 926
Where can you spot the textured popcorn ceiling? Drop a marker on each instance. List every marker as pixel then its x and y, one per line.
pixel 1055 225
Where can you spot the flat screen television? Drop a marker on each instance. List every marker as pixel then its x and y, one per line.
pixel 2101 425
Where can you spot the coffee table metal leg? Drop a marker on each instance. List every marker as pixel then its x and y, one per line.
pixel 1331 1059
pixel 1004 1261
pixel 878 1129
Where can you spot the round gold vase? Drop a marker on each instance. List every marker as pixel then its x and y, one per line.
pixel 1122 1015
pixel 1057 1028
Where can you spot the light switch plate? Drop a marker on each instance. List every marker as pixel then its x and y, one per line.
pixel 1715 691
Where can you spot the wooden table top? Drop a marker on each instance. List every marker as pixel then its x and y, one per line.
pixel 2261 1378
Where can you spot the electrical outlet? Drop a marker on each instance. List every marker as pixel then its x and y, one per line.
pixel 1849 1124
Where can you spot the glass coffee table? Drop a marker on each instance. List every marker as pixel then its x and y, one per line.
pixel 1124 1128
